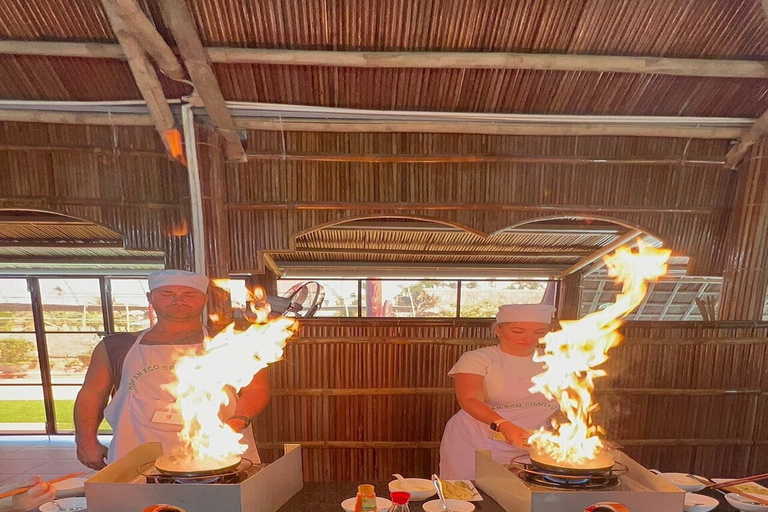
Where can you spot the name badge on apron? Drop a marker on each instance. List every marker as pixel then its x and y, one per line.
pixel 167 417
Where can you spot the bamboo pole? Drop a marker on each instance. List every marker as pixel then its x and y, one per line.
pixel 433 159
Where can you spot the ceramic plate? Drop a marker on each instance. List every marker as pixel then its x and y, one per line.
pixel 65 504
pixel 461 490
pixel 382 504
pixel 453 505
pixel 69 487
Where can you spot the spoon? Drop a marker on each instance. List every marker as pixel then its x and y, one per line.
pixel 439 486
pixel 402 481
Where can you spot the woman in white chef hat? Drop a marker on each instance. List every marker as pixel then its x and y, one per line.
pixel 497 410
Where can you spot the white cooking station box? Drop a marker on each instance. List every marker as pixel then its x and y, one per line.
pixel 121 487
pixel 638 489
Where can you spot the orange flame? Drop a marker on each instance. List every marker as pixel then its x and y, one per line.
pixel 572 353
pixel 206 383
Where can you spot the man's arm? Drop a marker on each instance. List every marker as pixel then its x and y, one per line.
pixel 253 399
pixel 89 409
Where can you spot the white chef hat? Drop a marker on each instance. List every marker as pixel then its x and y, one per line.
pixel 540 313
pixel 178 278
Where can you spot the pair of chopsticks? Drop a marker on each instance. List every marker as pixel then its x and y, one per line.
pixel 28 487
pixel 745 480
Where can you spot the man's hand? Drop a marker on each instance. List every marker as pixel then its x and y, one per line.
pixel 515 435
pixel 92 454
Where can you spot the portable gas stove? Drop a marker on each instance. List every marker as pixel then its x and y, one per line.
pixel 535 484
pixel 156 474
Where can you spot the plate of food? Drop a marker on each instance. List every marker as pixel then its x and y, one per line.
pixel 460 490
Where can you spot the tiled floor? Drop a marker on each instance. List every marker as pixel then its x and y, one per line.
pixel 47 456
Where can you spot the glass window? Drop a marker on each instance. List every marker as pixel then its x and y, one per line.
pixel 340 296
pixel 64 404
pixel 71 304
pixel 481 299
pixel 130 308
pixel 18 359
pixel 409 298
pixel 69 355
pixel 22 409
pixel 15 306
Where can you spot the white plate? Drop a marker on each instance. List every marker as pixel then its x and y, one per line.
pixel 69 487
pixel 475 495
pixel 420 489
pixel 746 507
pixel 454 505
pixel 699 503
pixel 66 504
pixel 682 481
pixel 381 504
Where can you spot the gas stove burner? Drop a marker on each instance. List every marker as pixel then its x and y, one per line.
pixel 231 475
pixel 568 478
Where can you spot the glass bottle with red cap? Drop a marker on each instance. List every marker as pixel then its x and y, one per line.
pixel 399 502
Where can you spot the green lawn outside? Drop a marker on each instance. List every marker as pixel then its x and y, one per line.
pixel 32 411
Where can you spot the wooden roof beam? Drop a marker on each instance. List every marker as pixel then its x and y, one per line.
pixel 490 128
pixel 146 79
pixel 746 140
pixel 446 60
pixel 179 19
pixel 627 237
pixel 136 22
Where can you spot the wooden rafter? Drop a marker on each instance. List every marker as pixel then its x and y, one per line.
pixel 746 140
pixel 136 22
pixel 452 60
pixel 627 237
pixel 179 19
pixel 146 80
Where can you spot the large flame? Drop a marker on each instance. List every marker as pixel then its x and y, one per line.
pixel 572 353
pixel 207 381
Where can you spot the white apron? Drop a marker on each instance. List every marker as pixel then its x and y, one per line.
pixel 464 435
pixel 147 372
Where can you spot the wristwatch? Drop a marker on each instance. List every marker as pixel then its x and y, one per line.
pixel 496 424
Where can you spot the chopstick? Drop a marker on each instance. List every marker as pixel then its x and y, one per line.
pixel 738 481
pixel 28 487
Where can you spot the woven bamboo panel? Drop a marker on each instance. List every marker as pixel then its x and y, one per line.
pixel 368 398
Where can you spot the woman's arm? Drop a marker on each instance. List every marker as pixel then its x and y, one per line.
pixel 470 392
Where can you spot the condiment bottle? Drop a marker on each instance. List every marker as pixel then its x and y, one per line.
pixel 366 499
pixel 399 502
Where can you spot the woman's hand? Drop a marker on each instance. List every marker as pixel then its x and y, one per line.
pixel 515 435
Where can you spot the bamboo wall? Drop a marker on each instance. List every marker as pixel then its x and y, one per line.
pixel 118 177
pixel 369 398
pixel 685 203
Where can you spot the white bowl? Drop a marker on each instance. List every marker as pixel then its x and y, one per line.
pixel 419 488
pixel 453 505
pixel 69 487
pixel 382 504
pixel 67 504
pixel 682 481
pixel 746 507
pixel 699 503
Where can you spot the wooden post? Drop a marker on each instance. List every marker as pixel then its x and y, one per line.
pixel 571 288
pixel 745 277
pixel 216 224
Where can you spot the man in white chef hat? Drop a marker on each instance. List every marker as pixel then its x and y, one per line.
pixel 138 367
pixel 497 410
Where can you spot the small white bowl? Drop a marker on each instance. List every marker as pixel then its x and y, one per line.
pixel 382 504
pixel 699 503
pixel 70 487
pixel 419 488
pixel 68 504
pixel 453 505
pixel 681 481
pixel 746 507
